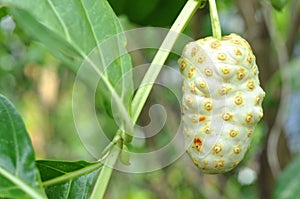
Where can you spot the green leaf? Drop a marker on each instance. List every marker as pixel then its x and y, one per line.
pixel 68 179
pixel 288 183
pixel 19 177
pixel 80 32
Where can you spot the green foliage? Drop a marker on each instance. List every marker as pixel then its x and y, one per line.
pixel 68 179
pixel 19 177
pixel 288 183
pixel 72 34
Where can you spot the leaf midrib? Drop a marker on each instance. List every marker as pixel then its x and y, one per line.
pixel 62 23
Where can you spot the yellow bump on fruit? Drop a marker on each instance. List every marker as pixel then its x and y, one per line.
pixel 189 101
pixel 195 50
pixel 191 86
pixel 208 106
pixel 257 100
pixel 183 65
pixel 206 129
pixel 235 163
pixel 233 133
pixel 255 71
pixel 249 118
pixel 219 163
pixel 240 73
pixel 201 59
pixel 194 119
pixel 251 84
pixel 227 116
pixel 217 148
pixel 201 84
pixel 238 100
pixel 194 89
pixel 222 57
pixel 225 70
pixel 249 134
pixel 195 161
pixel 238 52
pixel 249 59
pixel 237 149
pixel 191 72
pixel 236 42
pixel 215 45
pixel 208 72
pixel 261 114
pixel 205 162
pixel 224 90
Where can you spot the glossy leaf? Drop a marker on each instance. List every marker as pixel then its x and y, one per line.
pixel 68 179
pixel 288 183
pixel 19 177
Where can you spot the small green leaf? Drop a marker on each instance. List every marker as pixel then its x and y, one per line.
pixel 288 183
pixel 125 155
pixel 19 177
pixel 64 180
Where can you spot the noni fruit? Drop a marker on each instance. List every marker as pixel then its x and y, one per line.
pixel 221 103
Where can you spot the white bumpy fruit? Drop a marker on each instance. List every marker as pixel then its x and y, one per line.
pixel 221 101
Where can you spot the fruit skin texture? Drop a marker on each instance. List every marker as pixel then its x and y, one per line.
pixel 221 101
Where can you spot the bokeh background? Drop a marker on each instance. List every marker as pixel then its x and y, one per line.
pixel 41 87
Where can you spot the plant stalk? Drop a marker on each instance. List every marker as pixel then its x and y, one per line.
pixel 72 175
pixel 105 174
pixel 215 22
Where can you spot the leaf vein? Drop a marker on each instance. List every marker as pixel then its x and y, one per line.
pixel 62 23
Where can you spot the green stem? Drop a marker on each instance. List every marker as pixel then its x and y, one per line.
pixel 105 174
pixel 145 87
pixel 72 175
pixel 215 22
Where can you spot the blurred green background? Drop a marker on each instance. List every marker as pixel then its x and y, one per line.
pixel 41 88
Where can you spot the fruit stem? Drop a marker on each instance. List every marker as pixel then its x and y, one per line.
pixel 215 22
